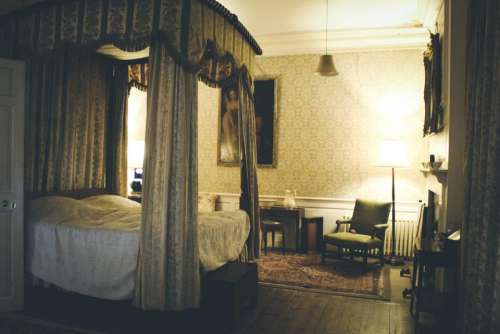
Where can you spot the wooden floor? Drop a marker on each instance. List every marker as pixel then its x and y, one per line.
pixel 292 311
pixel 279 310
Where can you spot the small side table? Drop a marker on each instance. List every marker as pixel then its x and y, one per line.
pixel 273 226
pixel 135 197
pixel 306 221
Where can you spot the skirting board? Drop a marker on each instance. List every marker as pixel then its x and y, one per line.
pixel 330 209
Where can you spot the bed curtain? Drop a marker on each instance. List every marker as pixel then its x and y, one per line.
pixel 480 279
pixel 215 69
pixel 116 181
pixel 66 117
pixel 249 200
pixel 168 268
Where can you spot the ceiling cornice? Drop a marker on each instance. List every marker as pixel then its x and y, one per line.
pixel 344 41
pixel 427 12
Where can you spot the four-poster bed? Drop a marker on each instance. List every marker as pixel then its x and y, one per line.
pixel 90 245
pixel 76 117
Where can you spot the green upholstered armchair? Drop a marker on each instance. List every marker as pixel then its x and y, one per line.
pixel 366 231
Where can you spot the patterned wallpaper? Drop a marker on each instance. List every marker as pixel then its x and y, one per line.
pixel 330 128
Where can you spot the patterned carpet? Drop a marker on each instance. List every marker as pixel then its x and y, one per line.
pixel 306 271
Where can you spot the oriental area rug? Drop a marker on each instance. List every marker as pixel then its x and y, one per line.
pixel 305 271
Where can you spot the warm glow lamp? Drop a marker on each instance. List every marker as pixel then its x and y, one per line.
pixel 393 155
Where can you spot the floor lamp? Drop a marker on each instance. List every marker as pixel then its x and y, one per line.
pixel 393 155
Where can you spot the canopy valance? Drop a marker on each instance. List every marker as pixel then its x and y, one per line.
pixel 185 26
pixel 214 69
pixel 138 74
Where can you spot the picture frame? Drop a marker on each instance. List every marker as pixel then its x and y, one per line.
pixel 434 118
pixel 266 120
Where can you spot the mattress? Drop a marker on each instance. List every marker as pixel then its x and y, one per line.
pixel 90 246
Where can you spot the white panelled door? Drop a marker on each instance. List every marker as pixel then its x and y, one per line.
pixel 11 184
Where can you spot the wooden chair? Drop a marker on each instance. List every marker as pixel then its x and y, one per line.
pixel 272 226
pixel 366 231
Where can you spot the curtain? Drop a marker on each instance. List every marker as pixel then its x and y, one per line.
pixel 168 266
pixel 117 135
pixel 138 76
pixel 481 225
pixel 66 111
pixel 249 200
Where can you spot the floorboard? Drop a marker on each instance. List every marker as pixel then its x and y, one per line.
pixel 290 311
pixel 279 310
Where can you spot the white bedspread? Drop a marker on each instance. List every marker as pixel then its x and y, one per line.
pixel 90 246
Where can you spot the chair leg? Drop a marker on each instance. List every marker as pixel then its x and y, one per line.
pixel 365 260
pixel 265 242
pixel 351 255
pixel 283 244
pixel 323 250
pixel 381 255
pixel 272 236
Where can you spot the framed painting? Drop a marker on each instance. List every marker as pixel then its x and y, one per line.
pixel 433 120
pixel 265 97
pixel 266 120
pixel 228 148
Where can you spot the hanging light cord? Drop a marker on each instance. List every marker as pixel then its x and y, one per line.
pixel 326 29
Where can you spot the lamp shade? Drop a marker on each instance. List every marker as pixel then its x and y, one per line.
pixel 135 153
pixel 326 67
pixel 392 154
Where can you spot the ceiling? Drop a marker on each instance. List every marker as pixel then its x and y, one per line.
pixel 298 26
pixel 264 17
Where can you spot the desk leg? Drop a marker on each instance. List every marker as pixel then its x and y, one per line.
pixel 413 283
pixel 420 273
pixel 297 236
pixel 303 236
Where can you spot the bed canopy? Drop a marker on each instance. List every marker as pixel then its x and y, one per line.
pixel 76 116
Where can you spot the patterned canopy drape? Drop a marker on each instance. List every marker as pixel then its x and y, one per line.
pixel 182 31
pixel 66 111
pixel 481 224
pixel 117 134
pixel 215 69
pixel 249 200
pixel 169 244
pixel 185 27
pixel 138 75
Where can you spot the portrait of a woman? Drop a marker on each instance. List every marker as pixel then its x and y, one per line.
pixel 229 134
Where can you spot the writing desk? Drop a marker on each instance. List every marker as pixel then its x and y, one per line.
pixel 287 216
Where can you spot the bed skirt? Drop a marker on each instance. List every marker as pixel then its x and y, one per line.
pixel 35 282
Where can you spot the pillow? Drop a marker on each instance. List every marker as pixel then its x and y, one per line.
pixel 113 201
pixel 206 202
pixel 56 209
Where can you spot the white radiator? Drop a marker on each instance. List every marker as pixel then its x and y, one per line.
pixel 406 231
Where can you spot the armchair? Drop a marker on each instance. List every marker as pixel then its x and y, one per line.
pixel 366 231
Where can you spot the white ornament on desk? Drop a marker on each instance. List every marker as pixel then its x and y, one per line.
pixel 289 200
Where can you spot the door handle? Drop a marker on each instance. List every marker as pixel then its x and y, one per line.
pixel 7 205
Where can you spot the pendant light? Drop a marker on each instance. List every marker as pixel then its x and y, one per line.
pixel 326 67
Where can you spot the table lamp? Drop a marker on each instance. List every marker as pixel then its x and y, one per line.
pixel 393 155
pixel 135 160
